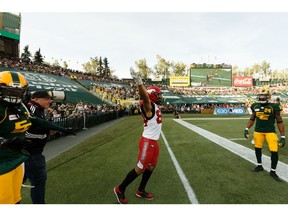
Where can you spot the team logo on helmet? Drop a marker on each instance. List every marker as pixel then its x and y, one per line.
pixel 155 94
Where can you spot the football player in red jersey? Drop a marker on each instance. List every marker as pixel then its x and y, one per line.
pixel 148 143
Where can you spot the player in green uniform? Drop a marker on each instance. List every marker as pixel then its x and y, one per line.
pixel 265 114
pixel 14 121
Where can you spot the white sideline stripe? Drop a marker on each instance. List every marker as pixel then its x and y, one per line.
pixel 246 153
pixel 224 118
pixel 191 195
pixel 237 139
pixel 214 118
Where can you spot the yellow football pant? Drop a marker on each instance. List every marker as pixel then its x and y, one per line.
pixel 10 186
pixel 271 138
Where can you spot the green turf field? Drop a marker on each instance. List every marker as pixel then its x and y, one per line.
pixel 87 173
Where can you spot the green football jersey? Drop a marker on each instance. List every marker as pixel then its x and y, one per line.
pixel 13 122
pixel 265 116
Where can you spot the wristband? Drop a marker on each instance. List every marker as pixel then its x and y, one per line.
pixel 246 128
pixel 283 137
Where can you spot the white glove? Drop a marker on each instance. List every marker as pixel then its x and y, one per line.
pixel 136 76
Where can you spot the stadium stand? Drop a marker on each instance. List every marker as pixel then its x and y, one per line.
pixel 74 91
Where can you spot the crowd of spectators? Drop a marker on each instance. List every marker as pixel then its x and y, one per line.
pixel 58 111
pixel 116 93
pixel 274 89
pixel 113 94
pixel 19 64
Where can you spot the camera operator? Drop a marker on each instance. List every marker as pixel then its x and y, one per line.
pixel 35 166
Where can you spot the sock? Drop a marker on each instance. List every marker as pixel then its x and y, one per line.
pixel 131 176
pixel 145 177
pixel 258 153
pixel 274 160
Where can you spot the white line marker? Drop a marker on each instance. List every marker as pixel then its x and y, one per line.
pixel 191 195
pixel 246 153
pixel 233 139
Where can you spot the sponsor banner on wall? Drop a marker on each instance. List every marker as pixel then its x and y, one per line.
pixel 243 81
pixel 129 102
pixel 229 111
pixel 179 81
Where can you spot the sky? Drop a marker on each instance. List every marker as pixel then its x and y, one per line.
pixel 224 31
pixel 125 35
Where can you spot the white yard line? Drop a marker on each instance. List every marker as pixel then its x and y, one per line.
pixel 237 139
pixel 214 118
pixel 246 153
pixel 191 195
pixel 223 118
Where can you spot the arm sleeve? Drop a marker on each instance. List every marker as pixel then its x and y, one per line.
pixel 47 124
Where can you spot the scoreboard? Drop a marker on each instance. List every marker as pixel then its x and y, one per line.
pixel 210 75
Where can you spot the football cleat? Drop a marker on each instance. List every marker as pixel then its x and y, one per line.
pixel 144 194
pixel 120 196
pixel 259 168
pixel 275 176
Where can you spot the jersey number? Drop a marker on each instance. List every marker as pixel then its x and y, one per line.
pixel 158 119
pixel 262 116
pixel 21 126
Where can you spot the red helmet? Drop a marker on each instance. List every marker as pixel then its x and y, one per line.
pixel 155 94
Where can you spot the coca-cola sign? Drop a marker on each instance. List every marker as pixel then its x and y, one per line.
pixel 243 81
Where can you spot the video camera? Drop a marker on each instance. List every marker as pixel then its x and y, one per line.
pixel 58 95
pixel 55 95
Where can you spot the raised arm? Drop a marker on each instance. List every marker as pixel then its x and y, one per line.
pixel 142 92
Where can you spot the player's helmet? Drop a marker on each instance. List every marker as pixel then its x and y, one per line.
pixel 155 94
pixel 12 87
pixel 264 96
